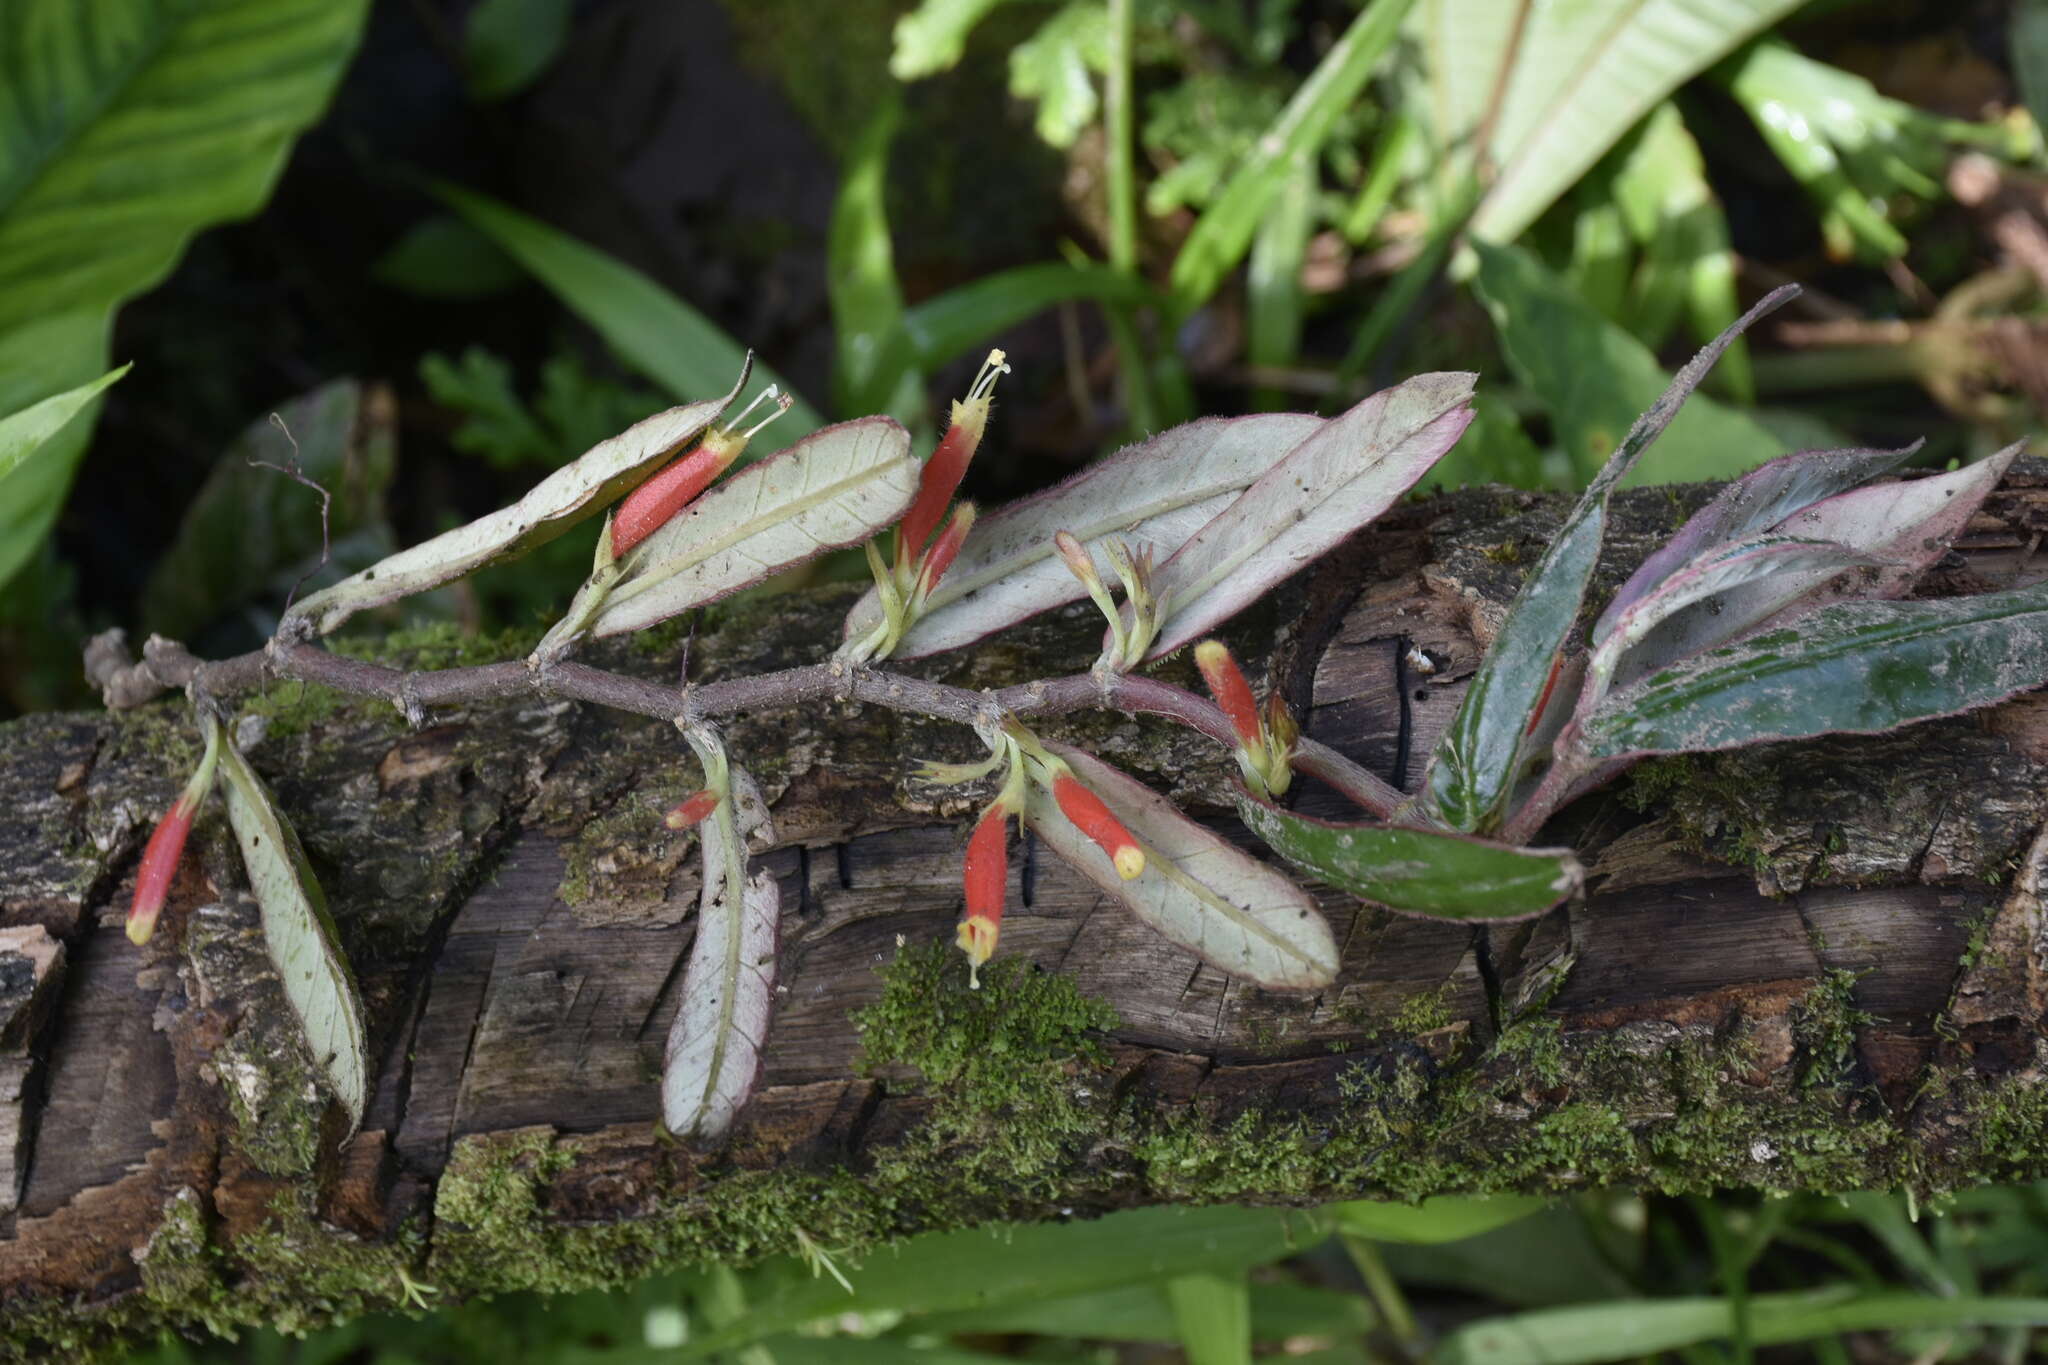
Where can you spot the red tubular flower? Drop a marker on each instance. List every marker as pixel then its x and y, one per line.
pixel 1232 693
pixel 1093 819
pixel 945 549
pixel 650 507
pixel 987 878
pixel 693 809
pixel 159 865
pixel 948 464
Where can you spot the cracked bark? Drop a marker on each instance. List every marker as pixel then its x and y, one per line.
pixel 518 918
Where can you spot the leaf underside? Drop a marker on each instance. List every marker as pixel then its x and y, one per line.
pixel 1197 890
pixel 300 935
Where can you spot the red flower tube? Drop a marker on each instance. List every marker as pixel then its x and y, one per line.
pixel 1093 819
pixel 945 549
pixel 650 507
pixel 987 878
pixel 167 845
pixel 948 464
pixel 1232 693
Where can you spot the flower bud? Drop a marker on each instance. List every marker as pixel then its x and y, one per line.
pixel 987 881
pixel 159 865
pixel 1232 693
pixel 1093 819
pixel 693 809
pixel 945 549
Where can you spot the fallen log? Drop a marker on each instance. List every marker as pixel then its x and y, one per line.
pixel 1802 967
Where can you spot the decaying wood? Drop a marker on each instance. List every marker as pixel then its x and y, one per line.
pixel 1799 967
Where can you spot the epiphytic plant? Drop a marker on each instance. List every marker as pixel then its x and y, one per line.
pixel 1693 653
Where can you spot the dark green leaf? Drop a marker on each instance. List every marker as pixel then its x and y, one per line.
pixel 443 257
pixel 1857 668
pixel 1446 1218
pixel 1418 872
pixel 860 276
pixel 510 42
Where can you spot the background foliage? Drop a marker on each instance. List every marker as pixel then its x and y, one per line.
pixel 451 244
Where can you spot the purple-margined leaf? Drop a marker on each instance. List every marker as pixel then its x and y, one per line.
pixel 1851 668
pixel 1418 872
pixel 584 486
pixel 834 488
pixel 713 1057
pixel 1342 476
pixel 1472 773
pixel 1197 890
pixel 1752 504
pixel 1899 528
pixel 300 935
pixel 1726 590
pixel 1154 495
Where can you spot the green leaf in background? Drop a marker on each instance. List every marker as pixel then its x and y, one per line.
pixel 125 127
pixel 1280 1309
pixel 1552 86
pixel 1212 1317
pixel 651 329
pixel 1853 149
pixel 1225 230
pixel 1418 872
pixel 932 37
pixel 1630 1330
pixel 1273 295
pixel 443 257
pixel 1055 66
pixel 573 411
pixel 1446 1218
pixel 1595 378
pixel 510 42
pixel 967 316
pixel 24 433
pixel 860 276
pixel 252 532
pixel 1018 1264
pixel 299 934
pixel 1856 668
pixel 2027 37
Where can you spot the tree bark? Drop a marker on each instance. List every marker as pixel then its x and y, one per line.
pixel 1812 966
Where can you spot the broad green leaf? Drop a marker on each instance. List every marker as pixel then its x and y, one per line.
pixel 126 126
pixel 1212 1318
pixel 1014 1264
pixel 1855 668
pixel 1197 890
pixel 1342 476
pixel 577 490
pixel 1552 87
pixel 797 1349
pixel 1418 872
pixel 1473 770
pixel 299 934
pixel 932 37
pixel 860 277
pixel 252 532
pixel 834 488
pixel 1752 504
pixel 713 1057
pixel 1446 1218
pixel 23 433
pixel 1224 231
pixel 1153 495
pixel 510 42
pixel 1633 1329
pixel 1280 1309
pixel 1594 378
pixel 444 257
pixel 1054 66
pixel 652 330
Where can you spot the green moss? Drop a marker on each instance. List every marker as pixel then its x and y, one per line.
pixel 437 645
pixel 1824 1025
pixel 1423 1013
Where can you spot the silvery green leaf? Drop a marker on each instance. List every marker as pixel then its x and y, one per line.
pixel 834 488
pixel 1346 473
pixel 1898 528
pixel 1753 504
pixel 299 934
pixel 1153 495
pixel 584 486
pixel 1197 890
pixel 713 1058
pixel 1473 771
pixel 1851 668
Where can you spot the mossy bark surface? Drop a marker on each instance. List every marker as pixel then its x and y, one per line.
pixel 1814 967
